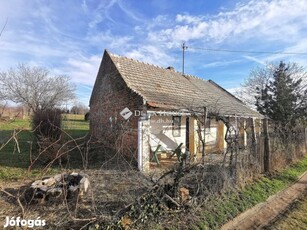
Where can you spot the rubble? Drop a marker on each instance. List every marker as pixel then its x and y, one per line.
pixel 68 186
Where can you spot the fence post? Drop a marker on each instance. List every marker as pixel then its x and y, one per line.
pixel 266 154
pixel 254 137
pixel 204 138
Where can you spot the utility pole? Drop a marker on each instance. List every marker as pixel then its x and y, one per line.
pixel 184 48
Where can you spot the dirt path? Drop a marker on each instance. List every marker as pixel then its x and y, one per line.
pixel 262 214
pixel 294 218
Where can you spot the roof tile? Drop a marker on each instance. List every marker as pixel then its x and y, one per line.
pixel 170 89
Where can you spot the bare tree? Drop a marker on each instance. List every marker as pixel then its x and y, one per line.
pixel 2 103
pixel 35 88
pixel 260 77
pixel 79 108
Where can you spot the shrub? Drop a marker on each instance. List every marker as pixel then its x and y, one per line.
pixel 87 116
pixel 46 124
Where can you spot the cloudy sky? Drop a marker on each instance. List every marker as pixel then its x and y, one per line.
pixel 69 36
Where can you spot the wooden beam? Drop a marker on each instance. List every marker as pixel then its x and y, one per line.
pixel 204 137
pixel 267 149
pixel 220 136
pixel 192 137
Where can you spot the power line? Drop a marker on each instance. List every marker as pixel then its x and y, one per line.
pixel 246 51
pixel 4 26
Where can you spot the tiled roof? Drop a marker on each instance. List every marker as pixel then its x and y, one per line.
pixel 168 89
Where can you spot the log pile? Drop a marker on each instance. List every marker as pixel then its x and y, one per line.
pixel 60 186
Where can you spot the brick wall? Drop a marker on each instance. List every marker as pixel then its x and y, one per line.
pixel 109 97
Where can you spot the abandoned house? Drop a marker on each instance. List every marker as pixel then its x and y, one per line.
pixel 141 109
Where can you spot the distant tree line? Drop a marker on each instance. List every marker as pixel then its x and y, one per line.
pixel 79 108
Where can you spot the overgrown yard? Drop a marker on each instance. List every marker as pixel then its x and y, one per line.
pixel 16 145
pixel 119 195
pixel 113 182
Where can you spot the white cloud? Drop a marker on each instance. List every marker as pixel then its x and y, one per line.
pixel 13 9
pixel 108 40
pixel 75 46
pixel 188 19
pixel 101 13
pixel 151 54
pixel 277 25
pixel 285 54
pixel 129 12
pixel 84 6
pixel 82 70
pixel 256 19
pixel 220 63
pixel 257 60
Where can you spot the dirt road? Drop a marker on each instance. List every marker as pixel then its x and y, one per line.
pixel 264 213
pixel 294 218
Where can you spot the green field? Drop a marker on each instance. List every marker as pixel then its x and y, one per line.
pixel 15 124
pixel 74 122
pixel 17 145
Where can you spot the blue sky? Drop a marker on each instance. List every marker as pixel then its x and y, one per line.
pixel 69 36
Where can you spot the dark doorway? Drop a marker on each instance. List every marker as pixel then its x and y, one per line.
pixel 187 134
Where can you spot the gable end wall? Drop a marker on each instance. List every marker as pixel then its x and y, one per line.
pixel 110 96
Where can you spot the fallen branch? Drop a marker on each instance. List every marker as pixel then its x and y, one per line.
pixel 18 201
pixel 172 200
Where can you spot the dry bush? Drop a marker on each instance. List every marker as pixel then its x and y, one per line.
pixel 46 124
pixel 123 198
pixel 287 145
pixel 87 116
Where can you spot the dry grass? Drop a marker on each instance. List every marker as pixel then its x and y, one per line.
pixel 115 186
pixel 110 191
pixel 294 218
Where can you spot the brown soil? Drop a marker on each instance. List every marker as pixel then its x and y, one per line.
pixel 262 215
pixel 294 218
pixel 110 190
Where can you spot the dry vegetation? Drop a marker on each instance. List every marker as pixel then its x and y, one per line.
pixel 294 218
pixel 122 198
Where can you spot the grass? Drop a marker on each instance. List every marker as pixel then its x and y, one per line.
pixel 74 122
pixel 295 218
pixel 219 209
pixel 15 124
pixel 14 163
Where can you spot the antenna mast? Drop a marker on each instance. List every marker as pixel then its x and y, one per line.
pixel 184 48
